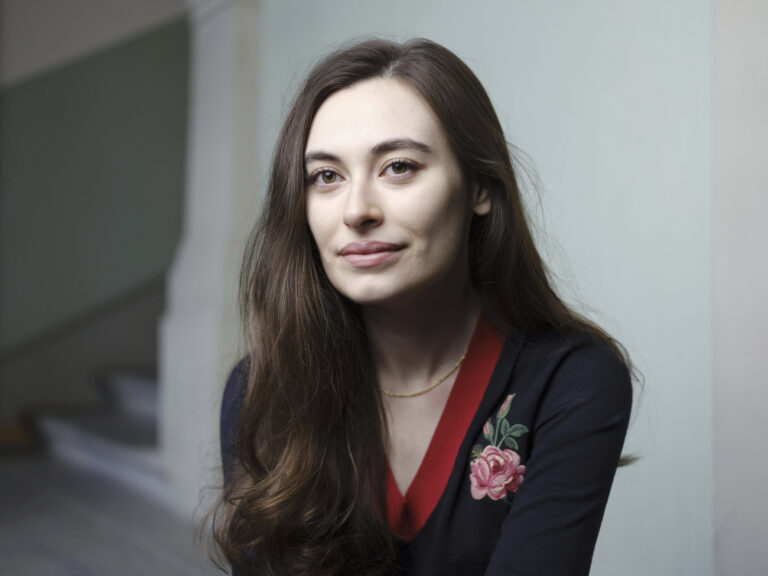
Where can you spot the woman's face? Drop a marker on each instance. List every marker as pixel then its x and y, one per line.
pixel 386 201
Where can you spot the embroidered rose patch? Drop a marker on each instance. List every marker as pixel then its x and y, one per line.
pixel 496 469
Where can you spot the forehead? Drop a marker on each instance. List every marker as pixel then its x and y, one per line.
pixel 370 112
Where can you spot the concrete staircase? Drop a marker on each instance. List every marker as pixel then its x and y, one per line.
pixel 116 438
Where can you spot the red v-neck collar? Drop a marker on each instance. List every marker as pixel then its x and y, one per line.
pixel 407 514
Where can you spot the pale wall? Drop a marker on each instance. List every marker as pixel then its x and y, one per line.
pixel 612 101
pixel 741 286
pixel 200 327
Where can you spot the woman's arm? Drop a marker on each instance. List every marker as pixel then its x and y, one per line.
pixel 576 440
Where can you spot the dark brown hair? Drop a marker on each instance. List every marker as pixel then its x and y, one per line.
pixel 306 495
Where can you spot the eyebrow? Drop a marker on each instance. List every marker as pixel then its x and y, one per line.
pixel 399 144
pixel 379 149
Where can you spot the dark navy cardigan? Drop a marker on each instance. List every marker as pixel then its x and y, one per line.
pixel 567 421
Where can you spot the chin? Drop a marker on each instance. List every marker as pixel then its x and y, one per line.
pixel 382 295
pixel 369 297
pixel 367 293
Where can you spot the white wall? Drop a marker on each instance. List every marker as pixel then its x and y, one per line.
pixel 741 286
pixel 200 327
pixel 612 100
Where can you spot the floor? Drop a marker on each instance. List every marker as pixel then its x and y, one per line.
pixel 61 521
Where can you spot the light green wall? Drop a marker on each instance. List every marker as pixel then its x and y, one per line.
pixel 92 181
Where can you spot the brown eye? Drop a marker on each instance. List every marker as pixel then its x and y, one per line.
pixel 399 167
pixel 328 176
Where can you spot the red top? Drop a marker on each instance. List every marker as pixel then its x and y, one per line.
pixel 406 515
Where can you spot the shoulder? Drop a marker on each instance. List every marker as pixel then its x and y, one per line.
pixel 231 407
pixel 234 390
pixel 572 400
pixel 576 369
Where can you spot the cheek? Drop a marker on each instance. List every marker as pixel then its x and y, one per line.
pixel 317 219
pixel 445 223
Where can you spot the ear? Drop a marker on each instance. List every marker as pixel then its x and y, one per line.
pixel 481 200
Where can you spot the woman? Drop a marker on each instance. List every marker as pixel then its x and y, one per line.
pixel 416 399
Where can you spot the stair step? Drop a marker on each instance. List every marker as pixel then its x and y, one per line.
pixel 132 393
pixel 117 445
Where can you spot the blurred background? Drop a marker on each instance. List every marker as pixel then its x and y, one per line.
pixel 135 138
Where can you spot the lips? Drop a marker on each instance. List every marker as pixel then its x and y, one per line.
pixel 370 253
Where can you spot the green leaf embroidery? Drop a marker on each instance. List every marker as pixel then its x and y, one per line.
pixel 503 434
pixel 510 442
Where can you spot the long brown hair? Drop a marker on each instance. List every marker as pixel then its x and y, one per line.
pixel 307 491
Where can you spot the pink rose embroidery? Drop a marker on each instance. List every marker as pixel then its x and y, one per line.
pixel 488 430
pixel 496 469
pixel 495 472
pixel 504 410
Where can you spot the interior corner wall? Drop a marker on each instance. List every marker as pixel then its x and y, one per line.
pixel 741 286
pixel 612 101
pixel 199 330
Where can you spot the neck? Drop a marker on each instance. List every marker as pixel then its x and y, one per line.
pixel 416 345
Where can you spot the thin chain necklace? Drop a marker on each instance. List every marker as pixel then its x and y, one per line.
pixel 428 388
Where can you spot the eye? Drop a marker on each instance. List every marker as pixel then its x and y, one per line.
pixel 324 177
pixel 328 176
pixel 400 168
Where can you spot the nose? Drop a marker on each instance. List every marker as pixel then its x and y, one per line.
pixel 362 209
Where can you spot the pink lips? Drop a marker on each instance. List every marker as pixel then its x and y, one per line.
pixel 369 253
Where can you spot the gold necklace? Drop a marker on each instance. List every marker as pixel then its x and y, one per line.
pixel 428 388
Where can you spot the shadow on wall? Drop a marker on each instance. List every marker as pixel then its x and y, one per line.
pixel 91 189
pixel 93 163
